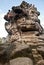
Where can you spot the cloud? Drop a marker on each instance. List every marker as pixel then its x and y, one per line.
pixel 3 32
pixel 41 17
pixel 0 10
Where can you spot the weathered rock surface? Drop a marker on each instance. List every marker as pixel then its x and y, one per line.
pixel 20 61
pixel 25 40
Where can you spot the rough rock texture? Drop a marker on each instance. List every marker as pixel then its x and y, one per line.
pixel 20 61
pixel 25 41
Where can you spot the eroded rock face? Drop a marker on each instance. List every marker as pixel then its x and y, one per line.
pixel 20 61
pixel 23 18
pixel 25 35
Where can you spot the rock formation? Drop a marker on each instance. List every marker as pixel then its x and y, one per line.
pixel 25 38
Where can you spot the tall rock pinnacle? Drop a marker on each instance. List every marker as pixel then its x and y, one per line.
pixel 26 34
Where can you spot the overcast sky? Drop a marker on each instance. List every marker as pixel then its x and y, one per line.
pixel 5 5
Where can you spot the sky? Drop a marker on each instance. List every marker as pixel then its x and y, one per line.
pixel 5 5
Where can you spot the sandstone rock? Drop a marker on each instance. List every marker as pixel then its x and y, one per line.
pixel 25 40
pixel 20 61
